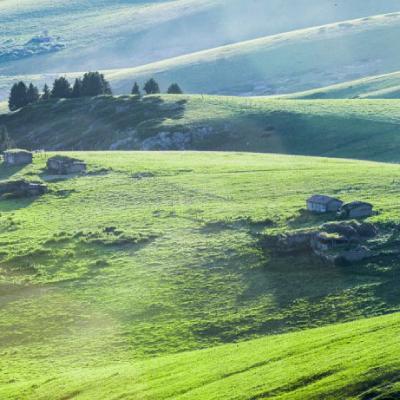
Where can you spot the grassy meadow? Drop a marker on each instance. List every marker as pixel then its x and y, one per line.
pixel 336 128
pixel 314 364
pixel 153 254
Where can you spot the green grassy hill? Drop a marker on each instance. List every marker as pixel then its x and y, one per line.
pixel 364 129
pixel 152 254
pixel 315 364
pixel 377 87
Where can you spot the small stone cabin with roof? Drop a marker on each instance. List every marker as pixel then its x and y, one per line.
pixel 63 165
pixel 356 209
pixel 17 157
pixel 323 204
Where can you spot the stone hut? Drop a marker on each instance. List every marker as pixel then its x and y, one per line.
pixel 323 204
pixel 356 209
pixel 17 157
pixel 63 165
pixel 21 188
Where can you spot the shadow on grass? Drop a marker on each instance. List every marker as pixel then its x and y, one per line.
pixel 306 219
pixel 156 112
pixel 7 205
pixel 8 172
pixel 91 123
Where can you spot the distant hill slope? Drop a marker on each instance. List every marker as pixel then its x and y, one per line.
pixel 351 361
pixel 285 63
pixel 149 254
pixel 288 62
pixel 380 87
pixel 364 129
pixel 99 34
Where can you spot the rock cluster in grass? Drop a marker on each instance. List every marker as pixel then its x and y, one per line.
pixel 167 141
pixel 177 140
pixel 21 188
pixel 335 242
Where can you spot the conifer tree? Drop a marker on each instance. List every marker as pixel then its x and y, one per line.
pixel 94 84
pixel 174 89
pixel 45 93
pixel 18 96
pixel 61 88
pixel 151 87
pixel 77 88
pixel 32 94
pixel 136 90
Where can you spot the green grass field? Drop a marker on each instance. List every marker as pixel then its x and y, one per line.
pixel 359 129
pixel 351 361
pixel 107 273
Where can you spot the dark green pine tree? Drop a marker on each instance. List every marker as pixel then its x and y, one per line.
pixel 61 88
pixel 174 89
pixel 45 93
pixel 32 94
pixel 107 86
pixel 151 87
pixel 18 96
pixel 77 88
pixel 136 90
pixel 94 84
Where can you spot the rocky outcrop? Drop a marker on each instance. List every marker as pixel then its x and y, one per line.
pixel 356 254
pixel 336 243
pixel 351 229
pixel 178 140
pixel 167 141
pixel 290 242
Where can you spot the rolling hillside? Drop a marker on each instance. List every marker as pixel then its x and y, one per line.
pixel 109 34
pixel 364 129
pixel 283 63
pixel 290 61
pixel 151 254
pixel 376 87
pixel 316 364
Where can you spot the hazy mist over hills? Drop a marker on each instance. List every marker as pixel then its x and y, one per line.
pixel 98 34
